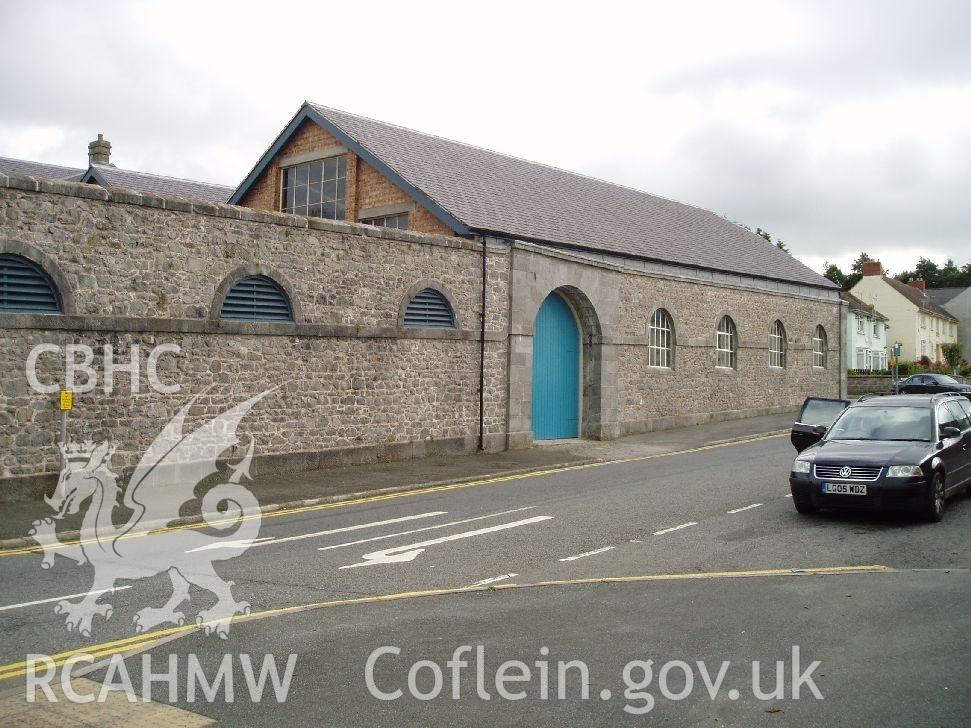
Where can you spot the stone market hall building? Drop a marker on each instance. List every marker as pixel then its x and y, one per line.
pixel 407 295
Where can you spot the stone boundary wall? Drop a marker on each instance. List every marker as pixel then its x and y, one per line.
pixel 351 383
pixel 868 384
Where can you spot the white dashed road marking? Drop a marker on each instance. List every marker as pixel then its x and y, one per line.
pixel 675 528
pixel 66 596
pixel 494 579
pixel 745 508
pixel 588 553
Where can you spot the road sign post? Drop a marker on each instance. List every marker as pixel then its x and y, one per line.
pixel 65 405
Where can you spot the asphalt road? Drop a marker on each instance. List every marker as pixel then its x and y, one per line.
pixel 892 643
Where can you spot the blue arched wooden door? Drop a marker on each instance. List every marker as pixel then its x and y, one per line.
pixel 556 371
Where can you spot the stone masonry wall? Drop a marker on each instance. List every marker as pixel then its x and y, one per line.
pixel 621 394
pixel 351 383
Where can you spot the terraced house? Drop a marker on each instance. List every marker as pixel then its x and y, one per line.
pixel 407 294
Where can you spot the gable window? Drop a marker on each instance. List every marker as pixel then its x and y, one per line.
pixel 876 331
pixel 398 222
pixel 726 344
pixel 859 324
pixel 777 345
pixel 25 287
pixel 256 298
pixel 660 335
pixel 316 189
pixel 429 309
pixel 819 347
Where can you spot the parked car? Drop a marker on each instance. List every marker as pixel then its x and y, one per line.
pixel 931 384
pixel 906 452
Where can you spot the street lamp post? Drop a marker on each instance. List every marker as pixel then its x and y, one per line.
pixel 897 347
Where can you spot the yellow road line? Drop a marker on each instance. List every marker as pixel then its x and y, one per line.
pixel 389 496
pixel 106 649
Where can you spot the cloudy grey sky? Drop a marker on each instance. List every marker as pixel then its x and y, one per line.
pixel 840 126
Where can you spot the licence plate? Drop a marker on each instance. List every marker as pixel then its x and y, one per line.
pixel 844 488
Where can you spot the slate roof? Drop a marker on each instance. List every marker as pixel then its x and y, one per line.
pixel 489 192
pixel 943 296
pixel 857 305
pixel 919 298
pixel 110 176
pixel 39 169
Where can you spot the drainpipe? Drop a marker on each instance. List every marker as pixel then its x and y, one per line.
pixel 482 334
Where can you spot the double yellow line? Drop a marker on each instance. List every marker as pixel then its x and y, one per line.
pixel 146 640
pixel 389 496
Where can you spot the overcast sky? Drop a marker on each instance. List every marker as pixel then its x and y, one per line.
pixel 838 126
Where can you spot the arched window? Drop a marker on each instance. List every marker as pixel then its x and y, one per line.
pixel 429 309
pixel 25 287
pixel 660 340
pixel 726 344
pixel 777 345
pixel 819 347
pixel 256 298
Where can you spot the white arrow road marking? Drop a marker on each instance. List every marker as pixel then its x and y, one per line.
pixel 588 553
pixel 675 528
pixel 66 596
pixel 270 540
pixel 494 579
pixel 410 551
pixel 420 530
pixel 745 508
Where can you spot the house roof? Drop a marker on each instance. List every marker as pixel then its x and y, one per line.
pixel 111 176
pixel 857 305
pixel 476 190
pixel 39 169
pixel 919 298
pixel 943 296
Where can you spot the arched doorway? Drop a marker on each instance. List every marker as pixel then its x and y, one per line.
pixel 556 371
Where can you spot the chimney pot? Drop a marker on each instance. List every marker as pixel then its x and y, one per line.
pixel 99 151
pixel 873 268
pixel 920 284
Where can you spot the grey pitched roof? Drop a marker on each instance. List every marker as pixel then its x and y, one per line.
pixel 110 176
pixel 493 192
pixel 943 296
pixel 919 298
pixel 39 169
pixel 857 305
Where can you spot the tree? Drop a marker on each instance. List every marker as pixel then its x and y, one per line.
pixel 833 272
pixel 952 354
pixel 764 234
pixel 781 245
pixel 853 278
pixel 934 276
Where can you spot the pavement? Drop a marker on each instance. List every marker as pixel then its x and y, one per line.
pixel 289 490
pixel 693 554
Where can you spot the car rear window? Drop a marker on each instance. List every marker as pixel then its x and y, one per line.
pixel 884 423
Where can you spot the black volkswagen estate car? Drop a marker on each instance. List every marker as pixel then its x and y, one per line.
pixel 905 452
pixel 931 384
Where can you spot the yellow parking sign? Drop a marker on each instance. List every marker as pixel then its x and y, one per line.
pixel 67 400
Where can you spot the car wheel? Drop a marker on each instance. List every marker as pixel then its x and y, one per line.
pixel 804 505
pixel 935 499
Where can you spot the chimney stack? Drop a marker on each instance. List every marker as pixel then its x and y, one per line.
pixel 920 284
pixel 99 151
pixel 873 268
